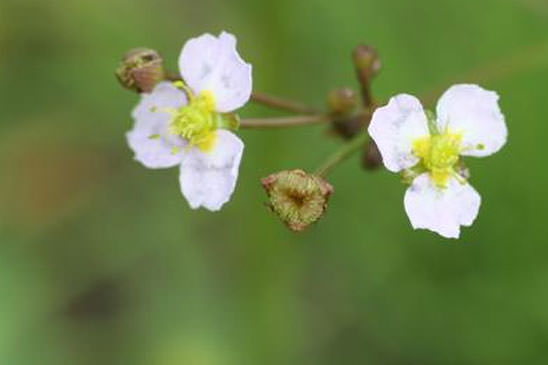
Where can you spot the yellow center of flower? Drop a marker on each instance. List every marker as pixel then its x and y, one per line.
pixel 197 121
pixel 439 154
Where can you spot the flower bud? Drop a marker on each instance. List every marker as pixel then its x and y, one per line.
pixel 371 158
pixel 298 198
pixel 140 70
pixel 366 61
pixel 342 101
pixel 348 127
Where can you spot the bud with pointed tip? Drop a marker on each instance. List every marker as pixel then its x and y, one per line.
pixel 366 61
pixel 349 127
pixel 342 101
pixel 298 198
pixel 140 70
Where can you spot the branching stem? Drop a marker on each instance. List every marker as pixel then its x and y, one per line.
pixel 342 154
pixel 277 102
pixel 259 123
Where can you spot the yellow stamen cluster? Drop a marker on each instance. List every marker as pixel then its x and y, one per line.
pixel 439 154
pixel 197 121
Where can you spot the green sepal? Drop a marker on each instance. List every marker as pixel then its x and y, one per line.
pixel 230 121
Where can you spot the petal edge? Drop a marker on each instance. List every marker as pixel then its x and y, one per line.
pixel 475 113
pixel 209 179
pixel 441 211
pixel 394 126
pixel 149 138
pixel 213 64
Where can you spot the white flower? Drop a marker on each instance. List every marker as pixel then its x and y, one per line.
pixel 469 123
pixel 183 127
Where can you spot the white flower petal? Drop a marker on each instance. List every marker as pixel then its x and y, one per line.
pixel 213 64
pixel 149 139
pixel 474 112
pixel 441 210
pixel 394 127
pixel 208 178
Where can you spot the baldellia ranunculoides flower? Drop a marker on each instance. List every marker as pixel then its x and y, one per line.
pixel 185 123
pixel 426 149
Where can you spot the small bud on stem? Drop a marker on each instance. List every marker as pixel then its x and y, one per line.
pixel 368 65
pixel 342 101
pixel 350 126
pixel 366 60
pixel 341 104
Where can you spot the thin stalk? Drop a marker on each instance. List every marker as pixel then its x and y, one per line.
pixel 367 96
pixel 257 123
pixel 342 154
pixel 277 102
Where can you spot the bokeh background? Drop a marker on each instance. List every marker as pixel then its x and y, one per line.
pixel 102 261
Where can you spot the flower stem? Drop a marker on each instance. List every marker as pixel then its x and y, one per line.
pixel 276 102
pixel 342 154
pixel 367 95
pixel 282 122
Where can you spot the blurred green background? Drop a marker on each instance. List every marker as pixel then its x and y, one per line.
pixel 102 261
